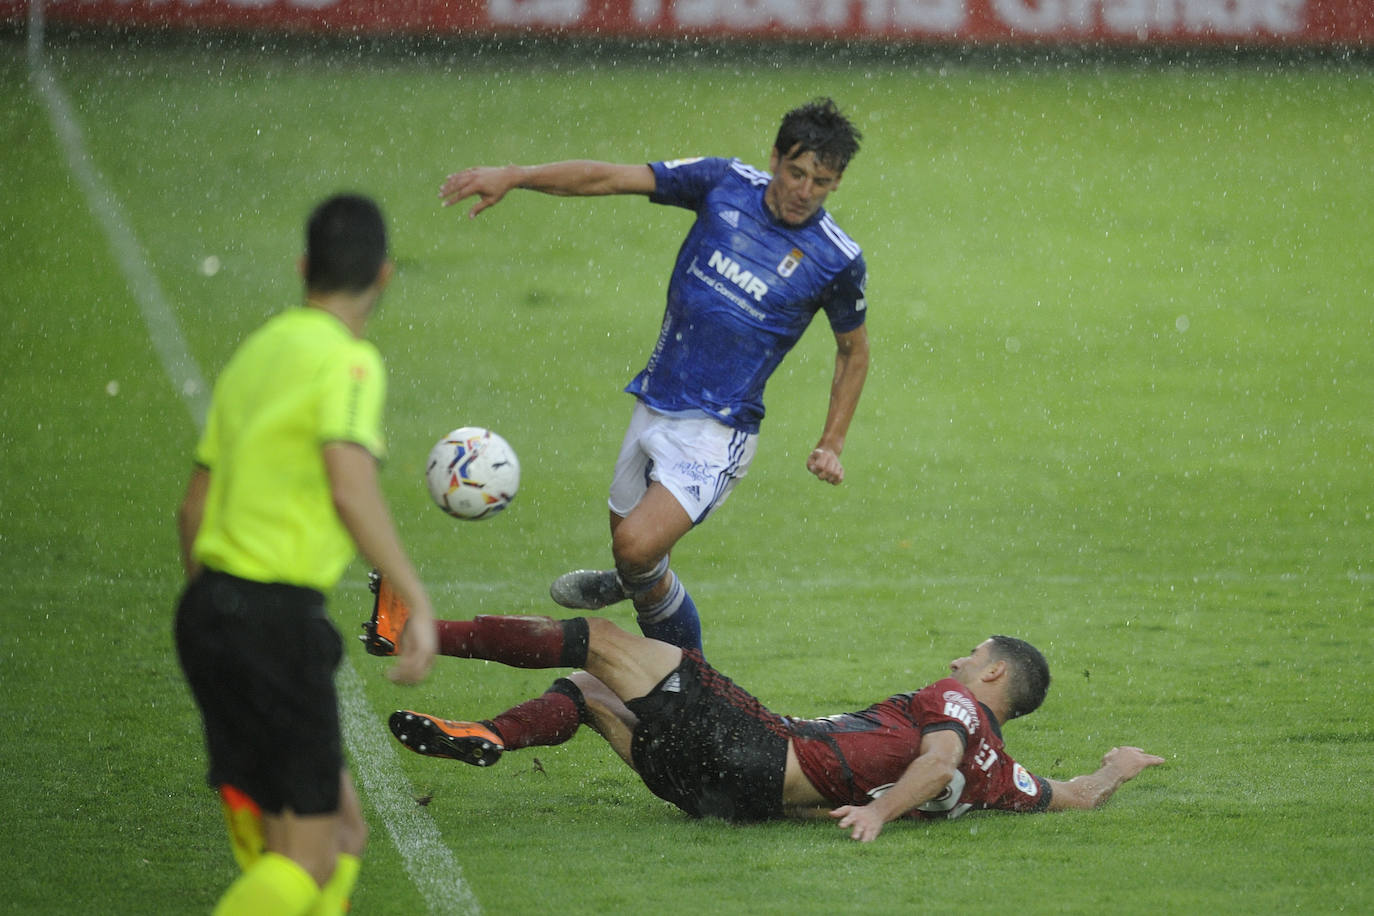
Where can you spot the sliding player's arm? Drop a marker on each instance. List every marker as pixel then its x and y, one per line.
pixel 924 778
pixel 1119 766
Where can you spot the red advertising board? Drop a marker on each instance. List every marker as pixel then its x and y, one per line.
pixel 1262 23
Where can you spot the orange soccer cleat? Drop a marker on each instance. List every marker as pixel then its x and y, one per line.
pixel 470 742
pixel 382 634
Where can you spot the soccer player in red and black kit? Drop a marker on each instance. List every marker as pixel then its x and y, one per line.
pixel 698 740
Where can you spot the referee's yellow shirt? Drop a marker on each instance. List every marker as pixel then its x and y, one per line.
pixel 299 382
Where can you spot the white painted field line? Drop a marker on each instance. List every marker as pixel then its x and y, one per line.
pixel 428 861
pixel 432 867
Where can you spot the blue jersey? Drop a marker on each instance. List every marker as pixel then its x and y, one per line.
pixel 744 288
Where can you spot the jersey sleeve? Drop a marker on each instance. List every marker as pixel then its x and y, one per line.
pixel 685 182
pixel 845 305
pixel 352 399
pixel 1021 791
pixel 946 705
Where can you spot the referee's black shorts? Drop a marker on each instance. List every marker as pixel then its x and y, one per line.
pixel 260 659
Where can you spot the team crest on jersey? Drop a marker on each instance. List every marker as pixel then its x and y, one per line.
pixel 1025 781
pixel 674 163
pixel 790 263
pixel 961 709
pixel 731 218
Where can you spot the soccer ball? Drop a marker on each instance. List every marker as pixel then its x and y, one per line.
pixel 472 473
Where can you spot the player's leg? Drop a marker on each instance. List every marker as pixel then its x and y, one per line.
pixel 351 840
pixel 642 543
pixel 298 858
pixel 620 665
pixel 229 672
pixel 628 663
pixel 593 589
pixel 551 718
pixel 544 721
pixel 606 713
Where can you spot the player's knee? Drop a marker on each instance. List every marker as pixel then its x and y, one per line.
pixel 634 555
pixel 641 562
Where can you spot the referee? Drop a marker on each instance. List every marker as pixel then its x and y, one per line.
pixel 283 489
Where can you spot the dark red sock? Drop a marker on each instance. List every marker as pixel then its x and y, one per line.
pixel 543 721
pixel 518 641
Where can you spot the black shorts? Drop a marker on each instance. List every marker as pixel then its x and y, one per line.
pixel 260 659
pixel 709 747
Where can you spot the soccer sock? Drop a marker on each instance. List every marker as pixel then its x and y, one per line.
pixel 333 899
pixel 243 817
pixel 548 719
pixel 673 619
pixel 518 641
pixel 274 884
pixel 637 583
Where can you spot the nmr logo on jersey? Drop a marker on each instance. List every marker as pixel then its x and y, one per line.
pixel 737 275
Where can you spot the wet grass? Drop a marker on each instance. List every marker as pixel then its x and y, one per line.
pixel 1119 406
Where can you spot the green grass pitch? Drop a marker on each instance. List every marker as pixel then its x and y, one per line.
pixel 1120 405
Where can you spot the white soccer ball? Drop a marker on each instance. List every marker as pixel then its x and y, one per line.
pixel 472 473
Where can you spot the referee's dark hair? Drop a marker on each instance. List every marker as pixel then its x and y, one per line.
pixel 1030 674
pixel 345 245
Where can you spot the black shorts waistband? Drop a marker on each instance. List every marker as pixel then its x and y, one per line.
pixel 301 596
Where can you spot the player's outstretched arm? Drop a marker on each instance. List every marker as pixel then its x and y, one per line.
pixel 358 499
pixel 572 178
pixel 1119 765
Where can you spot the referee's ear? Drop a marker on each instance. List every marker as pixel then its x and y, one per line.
pixel 384 274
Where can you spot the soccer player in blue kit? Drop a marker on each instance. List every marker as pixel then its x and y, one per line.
pixel 762 257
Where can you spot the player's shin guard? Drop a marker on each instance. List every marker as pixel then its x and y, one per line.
pixel 517 641
pixel 243 817
pixel 546 720
pixel 673 619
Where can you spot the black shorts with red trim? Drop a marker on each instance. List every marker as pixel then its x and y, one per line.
pixel 260 659
pixel 708 746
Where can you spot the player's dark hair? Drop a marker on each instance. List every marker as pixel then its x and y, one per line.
pixel 345 245
pixel 1030 674
pixel 818 127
